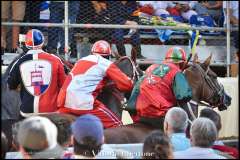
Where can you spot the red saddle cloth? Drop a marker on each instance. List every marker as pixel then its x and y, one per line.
pixel 230 150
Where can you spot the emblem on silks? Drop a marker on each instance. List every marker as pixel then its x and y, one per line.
pixel 36 76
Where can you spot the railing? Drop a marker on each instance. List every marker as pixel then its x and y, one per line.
pixel 66 25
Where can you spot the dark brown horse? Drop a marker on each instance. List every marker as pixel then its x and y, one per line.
pixel 111 96
pixel 205 88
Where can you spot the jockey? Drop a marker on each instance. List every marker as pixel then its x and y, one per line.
pixel 87 79
pixel 162 87
pixel 38 76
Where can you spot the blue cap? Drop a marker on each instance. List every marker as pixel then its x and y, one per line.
pixel 87 125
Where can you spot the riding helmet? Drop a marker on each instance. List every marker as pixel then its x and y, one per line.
pixel 34 39
pixel 175 55
pixel 102 48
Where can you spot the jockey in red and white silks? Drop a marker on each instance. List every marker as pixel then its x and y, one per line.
pixel 86 80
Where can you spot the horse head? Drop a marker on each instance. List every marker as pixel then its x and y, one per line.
pixel 205 86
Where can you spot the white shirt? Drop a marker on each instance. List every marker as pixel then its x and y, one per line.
pixel 197 153
pixel 233 6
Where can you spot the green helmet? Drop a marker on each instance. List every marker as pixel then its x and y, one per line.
pixel 175 55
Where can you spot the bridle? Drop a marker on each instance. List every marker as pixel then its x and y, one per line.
pixel 135 77
pixel 217 91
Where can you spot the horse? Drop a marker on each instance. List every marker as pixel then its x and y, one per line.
pixel 111 96
pixel 205 87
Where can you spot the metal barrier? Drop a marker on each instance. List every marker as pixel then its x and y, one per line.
pixel 66 25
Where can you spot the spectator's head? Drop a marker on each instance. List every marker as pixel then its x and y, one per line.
pixel 176 55
pixel 88 135
pixel 175 121
pixel 213 115
pixel 203 132
pixel 157 146
pixel 34 39
pixel 37 137
pixel 102 48
pixel 64 129
pixel 4 146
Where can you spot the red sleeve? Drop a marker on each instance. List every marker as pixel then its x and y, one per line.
pixel 62 93
pixel 61 75
pixel 123 82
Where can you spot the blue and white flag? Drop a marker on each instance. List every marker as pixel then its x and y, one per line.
pixel 164 35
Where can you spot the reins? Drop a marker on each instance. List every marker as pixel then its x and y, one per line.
pixel 214 87
pixel 136 74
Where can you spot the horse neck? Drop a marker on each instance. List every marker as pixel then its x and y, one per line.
pixel 110 97
pixel 126 65
pixel 192 106
pixel 196 89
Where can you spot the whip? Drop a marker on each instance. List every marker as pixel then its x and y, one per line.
pixel 194 46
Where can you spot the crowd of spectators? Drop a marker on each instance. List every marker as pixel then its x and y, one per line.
pixel 39 137
pixel 203 133
pixel 104 12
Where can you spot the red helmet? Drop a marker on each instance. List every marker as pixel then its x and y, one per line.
pixel 102 48
pixel 175 55
pixel 34 39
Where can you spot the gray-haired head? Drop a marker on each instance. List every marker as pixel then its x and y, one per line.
pixel 177 118
pixel 203 132
pixel 213 115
